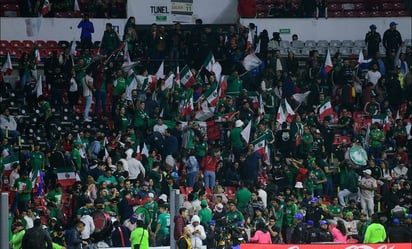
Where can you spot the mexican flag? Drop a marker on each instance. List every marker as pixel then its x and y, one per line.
pixel 67 176
pixel 325 109
pixel 7 67
pixel 285 112
pixel 35 55
pixel 187 107
pixel 260 144
pixel 328 66
pixel 228 117
pixel 213 97
pixel 223 86
pixel 148 82
pixel 187 79
pixel 205 112
pixel 209 61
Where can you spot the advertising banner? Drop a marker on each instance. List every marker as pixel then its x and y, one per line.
pixel 328 246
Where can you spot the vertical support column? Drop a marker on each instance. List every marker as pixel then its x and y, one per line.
pixel 176 201
pixel 4 217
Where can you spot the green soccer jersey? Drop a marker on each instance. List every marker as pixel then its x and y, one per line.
pixel 335 209
pixel 233 217
pixel 164 221
pixel 23 187
pixel 37 161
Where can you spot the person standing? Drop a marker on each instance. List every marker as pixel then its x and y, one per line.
pixel 197 232
pixel 36 237
pixel 368 185
pixel 398 233
pixel 392 39
pixel 184 241
pixel 375 233
pixel 140 236
pixel 180 223
pixel 110 40
pixel 18 234
pixel 88 90
pixel 87 30
pixel 73 236
pixel 161 234
pixel 372 40
pixel 23 186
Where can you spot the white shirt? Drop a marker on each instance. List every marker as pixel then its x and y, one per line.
pixel 135 168
pixel 86 90
pixel 160 128
pixel 369 183
pixel 373 77
pixel 8 122
pixel 89 226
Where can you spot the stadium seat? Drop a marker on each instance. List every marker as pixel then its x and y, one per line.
pixel 323 43
pixel 52 44
pixel 403 13
pixel 284 44
pixel 298 44
pixel 305 51
pixel 16 44
pixel 335 43
pixel 310 43
pixel 359 6
pixel 359 43
pixel 334 7
pixel 345 51
pixel 41 44
pixel 63 44
pixel 4 44
pixel 408 42
pixel 3 52
pixel 28 44
pixel 356 50
pixel 347 43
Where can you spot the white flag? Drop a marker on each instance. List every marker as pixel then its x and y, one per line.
pixel 39 87
pixel 251 61
pixel 246 131
pixel 160 74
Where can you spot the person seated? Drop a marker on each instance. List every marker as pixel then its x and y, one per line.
pixel 8 126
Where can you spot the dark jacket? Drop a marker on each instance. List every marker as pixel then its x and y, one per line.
pixel 398 234
pixel 37 238
pixel 117 238
pixel 180 224
pixel 73 239
pixel 299 234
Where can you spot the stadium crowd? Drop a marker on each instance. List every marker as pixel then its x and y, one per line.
pixel 300 187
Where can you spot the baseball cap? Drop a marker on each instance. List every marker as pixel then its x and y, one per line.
pixel 212 222
pixel 323 222
pixel 151 195
pixel 298 216
pixel 218 208
pixel 393 24
pixel 367 171
pixel 349 213
pixel 396 221
pixel 314 199
pixel 309 222
pixel 373 26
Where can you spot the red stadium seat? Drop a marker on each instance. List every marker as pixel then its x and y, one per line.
pixel 3 52
pixel 52 44
pixel 334 7
pixel 28 44
pixel 402 13
pixel 339 140
pixel 359 6
pixel 41 44
pixel 16 44
pixel 4 44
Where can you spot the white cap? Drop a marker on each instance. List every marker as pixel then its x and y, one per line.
pixel 238 123
pixel 163 197
pixel 367 171
pixel 151 195
pixel 298 185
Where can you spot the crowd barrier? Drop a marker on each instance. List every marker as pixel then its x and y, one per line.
pixel 328 246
